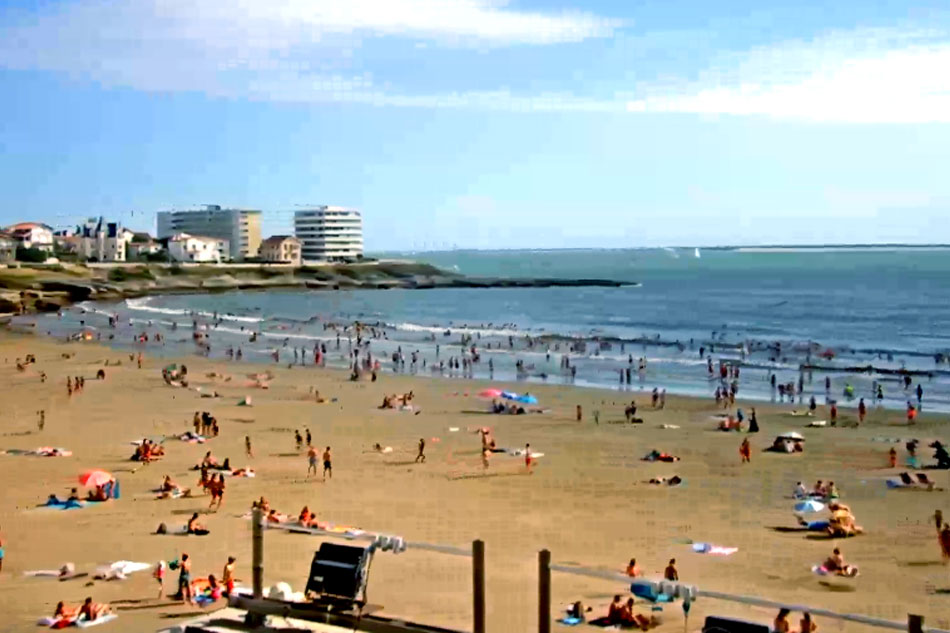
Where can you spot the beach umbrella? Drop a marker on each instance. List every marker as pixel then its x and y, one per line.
pixel 509 395
pixel 527 399
pixel 809 506
pixel 93 478
pixel 792 435
pixel 490 393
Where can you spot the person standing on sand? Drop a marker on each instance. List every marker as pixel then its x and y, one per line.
pixel 745 451
pixel 309 438
pixel 422 451
pixel 862 410
pixel 184 580
pixel 312 458
pixel 670 572
pixel 892 457
pixel 943 537
pixel 227 576
pixel 247 446
pixel 298 439
pixel 938 519
pixel 834 414
pixel 528 461
pixel 580 413
pixel 327 464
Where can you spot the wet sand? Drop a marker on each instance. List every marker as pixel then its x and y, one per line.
pixel 586 501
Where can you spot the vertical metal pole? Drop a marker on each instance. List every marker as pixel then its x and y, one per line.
pixel 544 591
pixel 257 557
pixel 915 623
pixel 478 586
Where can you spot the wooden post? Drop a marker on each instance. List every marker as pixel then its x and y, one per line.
pixel 478 586
pixel 252 618
pixel 544 591
pixel 915 623
pixel 257 555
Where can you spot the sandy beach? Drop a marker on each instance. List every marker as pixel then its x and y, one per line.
pixel 587 499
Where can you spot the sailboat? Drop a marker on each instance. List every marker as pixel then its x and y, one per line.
pixel 696 253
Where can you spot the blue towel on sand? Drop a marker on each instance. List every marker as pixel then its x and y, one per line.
pixel 570 621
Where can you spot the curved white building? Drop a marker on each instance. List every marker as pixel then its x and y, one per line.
pixel 329 233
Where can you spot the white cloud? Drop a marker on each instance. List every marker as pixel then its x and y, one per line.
pixel 312 51
pixel 864 76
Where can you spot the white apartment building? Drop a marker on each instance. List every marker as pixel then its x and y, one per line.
pixel 183 247
pixel 241 228
pixel 329 233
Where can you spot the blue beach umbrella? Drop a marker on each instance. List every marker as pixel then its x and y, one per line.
pixel 809 506
pixel 527 399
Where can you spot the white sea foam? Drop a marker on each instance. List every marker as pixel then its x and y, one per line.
pixel 144 304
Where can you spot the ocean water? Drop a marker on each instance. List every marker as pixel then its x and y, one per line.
pixel 889 308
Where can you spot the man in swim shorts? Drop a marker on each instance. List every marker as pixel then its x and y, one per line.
pixel 312 456
pixel 528 460
pixel 327 466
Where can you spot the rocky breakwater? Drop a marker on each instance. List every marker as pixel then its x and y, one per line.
pixel 49 288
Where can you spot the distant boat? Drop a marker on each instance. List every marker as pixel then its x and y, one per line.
pixel 696 253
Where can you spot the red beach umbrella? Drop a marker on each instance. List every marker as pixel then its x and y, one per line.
pixel 489 393
pixel 93 478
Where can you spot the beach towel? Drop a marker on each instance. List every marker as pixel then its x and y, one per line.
pixel 821 570
pixel 715 550
pixel 61 623
pixel 567 621
pixel 119 570
pixel 818 424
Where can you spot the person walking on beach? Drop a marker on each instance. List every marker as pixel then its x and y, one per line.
pixel 298 439
pixel 309 438
pixel 528 460
pixel 745 451
pixel 670 572
pixel 312 458
pixel 422 451
pixel 247 446
pixel 580 413
pixel 159 575
pixel 327 465
pixel 834 414
pixel 920 395
pixel 862 411
pixel 184 580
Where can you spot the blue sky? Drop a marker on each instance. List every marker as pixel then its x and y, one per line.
pixel 487 124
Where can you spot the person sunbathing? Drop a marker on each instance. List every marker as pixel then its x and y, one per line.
pixel 92 611
pixel 614 611
pixel 835 563
pixel 273 517
pixel 305 517
pixel 261 505
pixel 99 494
pixel 168 485
pixel 194 527
pixel 209 461
pixel 65 612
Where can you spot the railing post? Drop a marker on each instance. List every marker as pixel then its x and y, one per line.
pixel 478 586
pixel 257 565
pixel 544 591
pixel 915 623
